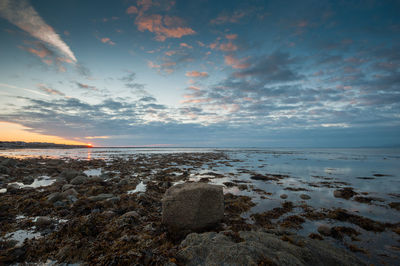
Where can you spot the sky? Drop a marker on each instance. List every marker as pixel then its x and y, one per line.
pixel 201 73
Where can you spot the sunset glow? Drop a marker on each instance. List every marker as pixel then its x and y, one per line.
pixel 17 132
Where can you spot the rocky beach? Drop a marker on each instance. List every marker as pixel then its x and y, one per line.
pixel 112 209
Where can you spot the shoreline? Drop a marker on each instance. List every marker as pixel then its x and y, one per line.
pixel 88 207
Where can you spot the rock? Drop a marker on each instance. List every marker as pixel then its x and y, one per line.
pixel 13 187
pixel 345 193
pixel 54 197
pixel 114 200
pixel 324 230
pixel 43 221
pixel 4 170
pixel 69 174
pixel 60 204
pixel 305 197
pixel 108 214
pixel 131 214
pixel 66 187
pixel 100 197
pixel 192 206
pixel 9 162
pixel 27 180
pixel 69 192
pixel 79 180
pixel 259 248
pixel 284 196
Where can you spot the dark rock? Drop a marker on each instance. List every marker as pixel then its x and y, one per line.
pixel 192 206
pixel 324 230
pixel 9 162
pixel 43 221
pixel 13 187
pixel 79 180
pixel 284 196
pixel 131 214
pixel 259 248
pixel 69 174
pixel 27 180
pixel 66 187
pixel 305 197
pixel 345 193
pixel 4 170
pixel 100 197
pixel 69 192
pixel 53 197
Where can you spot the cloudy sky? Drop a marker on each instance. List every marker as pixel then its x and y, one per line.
pixel 201 73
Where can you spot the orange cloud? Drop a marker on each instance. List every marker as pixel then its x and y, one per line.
pixel 170 53
pixel 41 53
pixel 17 132
pixel 231 36
pixel 132 10
pixel 162 28
pixel 236 63
pixel 107 40
pixel 197 74
pixel 186 45
pixel 228 47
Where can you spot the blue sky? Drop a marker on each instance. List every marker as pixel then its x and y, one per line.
pixel 203 73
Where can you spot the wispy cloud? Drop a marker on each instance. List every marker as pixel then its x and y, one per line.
pixel 85 86
pixel 49 90
pixel 24 16
pixel 20 88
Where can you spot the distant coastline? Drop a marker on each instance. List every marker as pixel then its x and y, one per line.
pixel 36 145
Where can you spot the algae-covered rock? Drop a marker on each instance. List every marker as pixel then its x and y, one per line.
pixel 192 206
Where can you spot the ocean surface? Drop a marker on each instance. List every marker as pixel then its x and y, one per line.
pixel 316 172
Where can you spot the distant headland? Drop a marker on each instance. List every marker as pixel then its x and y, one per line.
pixel 38 145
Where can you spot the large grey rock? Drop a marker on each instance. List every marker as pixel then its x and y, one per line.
pixel 219 249
pixel 192 206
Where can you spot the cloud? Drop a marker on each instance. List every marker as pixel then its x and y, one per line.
pixel 107 40
pixel 132 10
pixel 185 45
pixel 85 86
pixel 163 28
pixel 24 16
pixel 130 82
pixel 196 74
pixel 231 36
pixel 225 18
pixel 97 137
pixel 228 47
pixel 235 63
pixel 50 91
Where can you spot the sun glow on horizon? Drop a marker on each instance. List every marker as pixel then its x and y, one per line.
pixel 17 132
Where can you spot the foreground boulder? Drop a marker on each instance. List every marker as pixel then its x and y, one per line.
pixel 260 248
pixel 192 206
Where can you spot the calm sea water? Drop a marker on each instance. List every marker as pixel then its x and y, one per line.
pixel 379 170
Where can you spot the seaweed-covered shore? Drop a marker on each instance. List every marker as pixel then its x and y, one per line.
pixel 109 211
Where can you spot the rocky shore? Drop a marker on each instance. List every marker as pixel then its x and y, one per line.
pixel 111 212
